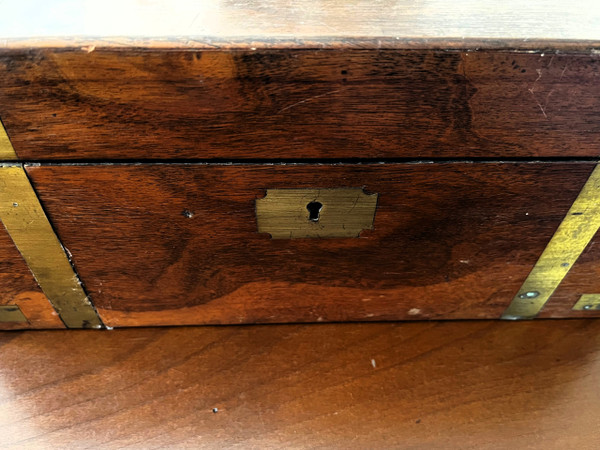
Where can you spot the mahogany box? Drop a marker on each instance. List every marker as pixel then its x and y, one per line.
pixel 271 162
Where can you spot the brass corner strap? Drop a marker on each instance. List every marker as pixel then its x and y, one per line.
pixel 11 313
pixel 7 151
pixel 588 302
pixel 27 224
pixel 570 239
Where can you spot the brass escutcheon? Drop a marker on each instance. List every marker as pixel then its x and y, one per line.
pixel 315 213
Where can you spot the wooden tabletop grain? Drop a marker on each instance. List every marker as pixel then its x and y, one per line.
pixel 419 385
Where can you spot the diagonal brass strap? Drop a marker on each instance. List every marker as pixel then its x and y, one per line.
pixel 27 224
pixel 7 152
pixel 11 313
pixel 570 239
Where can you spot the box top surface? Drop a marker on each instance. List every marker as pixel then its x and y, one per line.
pixel 404 23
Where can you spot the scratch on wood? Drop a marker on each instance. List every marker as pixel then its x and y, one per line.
pixel 548 98
pixel 307 100
pixel 539 104
pixel 531 90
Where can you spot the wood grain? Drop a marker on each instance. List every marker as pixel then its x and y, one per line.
pixel 425 385
pixel 295 104
pixel 213 21
pixel 18 287
pixel 450 241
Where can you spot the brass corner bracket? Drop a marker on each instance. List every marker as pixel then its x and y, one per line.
pixel 7 151
pixel 568 242
pixel 29 228
pixel 11 313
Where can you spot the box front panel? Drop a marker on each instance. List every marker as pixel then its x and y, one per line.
pixel 179 244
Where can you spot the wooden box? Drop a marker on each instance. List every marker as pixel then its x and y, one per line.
pixel 301 165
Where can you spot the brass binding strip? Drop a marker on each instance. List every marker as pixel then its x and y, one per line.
pixel 573 235
pixel 11 313
pixel 7 152
pixel 27 224
pixel 587 302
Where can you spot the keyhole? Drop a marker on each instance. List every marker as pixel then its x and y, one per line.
pixel 314 210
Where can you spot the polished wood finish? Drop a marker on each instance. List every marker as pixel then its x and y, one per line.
pixel 293 104
pixel 352 93
pixel 178 244
pixel 18 287
pixel 467 385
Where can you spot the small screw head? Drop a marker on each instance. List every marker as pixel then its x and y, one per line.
pixel 588 307
pixel 530 294
pixel 15 204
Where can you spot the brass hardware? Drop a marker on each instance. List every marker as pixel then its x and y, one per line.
pixel 27 224
pixel 315 213
pixel 7 152
pixel 11 313
pixel 570 239
pixel 588 302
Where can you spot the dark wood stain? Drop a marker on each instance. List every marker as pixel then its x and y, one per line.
pixel 144 104
pixel 451 241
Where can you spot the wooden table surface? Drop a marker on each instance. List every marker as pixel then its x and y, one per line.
pixel 428 385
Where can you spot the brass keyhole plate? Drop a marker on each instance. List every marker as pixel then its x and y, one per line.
pixel 287 214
